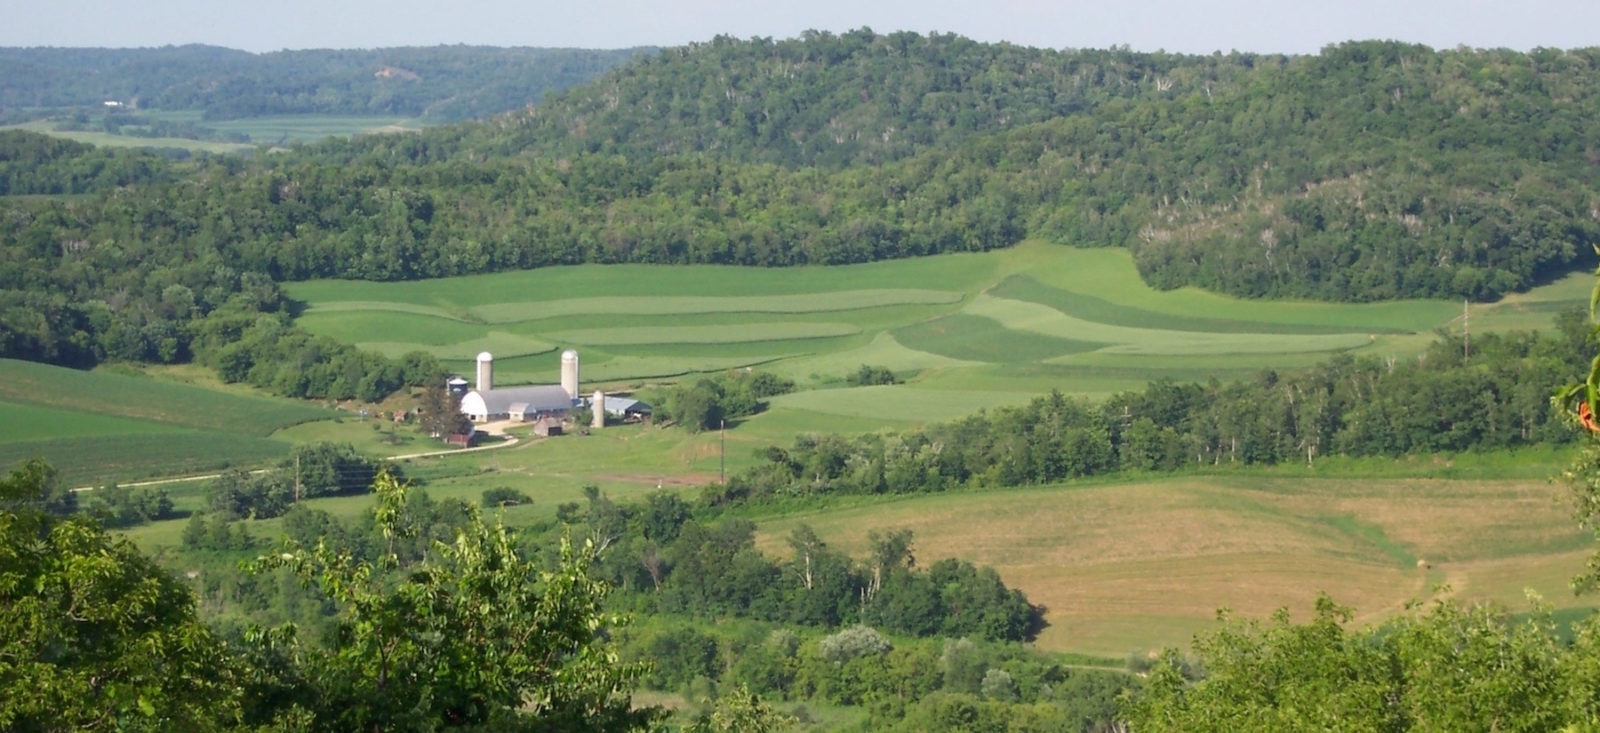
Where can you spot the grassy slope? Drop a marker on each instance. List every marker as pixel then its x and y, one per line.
pixel 1134 565
pixel 973 329
pixel 102 426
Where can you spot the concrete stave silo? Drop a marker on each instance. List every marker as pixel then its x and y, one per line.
pixel 569 372
pixel 485 372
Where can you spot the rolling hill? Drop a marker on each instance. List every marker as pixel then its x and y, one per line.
pixel 103 426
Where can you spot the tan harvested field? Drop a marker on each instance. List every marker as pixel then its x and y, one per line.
pixel 1131 566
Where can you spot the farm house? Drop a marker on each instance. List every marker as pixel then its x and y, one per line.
pixel 527 403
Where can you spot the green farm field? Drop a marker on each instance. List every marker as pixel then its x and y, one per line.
pixel 1131 566
pixel 278 129
pixel 269 130
pixel 964 331
pixel 106 139
pixel 100 427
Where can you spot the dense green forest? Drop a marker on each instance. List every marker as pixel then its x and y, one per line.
pixel 438 83
pixel 1370 171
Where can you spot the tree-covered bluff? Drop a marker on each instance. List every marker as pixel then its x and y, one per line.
pixel 439 83
pixel 1373 170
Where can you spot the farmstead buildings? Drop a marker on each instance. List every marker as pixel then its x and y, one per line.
pixel 485 403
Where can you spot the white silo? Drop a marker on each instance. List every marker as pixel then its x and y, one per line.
pixel 569 372
pixel 485 372
pixel 599 404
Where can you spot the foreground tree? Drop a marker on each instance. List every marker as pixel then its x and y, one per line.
pixel 1455 667
pixel 474 634
pixel 93 635
pixel 740 711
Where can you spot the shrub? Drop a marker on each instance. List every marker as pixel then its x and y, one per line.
pixel 504 496
pixel 854 643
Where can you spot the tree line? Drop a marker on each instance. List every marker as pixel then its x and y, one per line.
pixel 1441 402
pixel 415 650
pixel 1369 171
pixel 439 83
pixel 902 684
pixel 662 558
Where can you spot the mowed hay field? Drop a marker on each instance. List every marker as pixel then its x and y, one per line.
pixel 98 427
pixel 1128 567
pixel 969 330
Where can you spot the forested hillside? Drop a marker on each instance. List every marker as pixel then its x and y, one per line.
pixel 442 83
pixel 1373 170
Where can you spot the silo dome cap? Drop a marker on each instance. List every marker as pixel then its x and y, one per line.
pixel 485 356
pixel 569 354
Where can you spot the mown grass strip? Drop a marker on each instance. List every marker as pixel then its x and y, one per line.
pixel 1034 318
pixel 975 338
pixel 898 403
pixel 1108 273
pixel 499 343
pixel 822 302
pixel 345 306
pixel 717 334
pixel 1091 308
pixel 966 272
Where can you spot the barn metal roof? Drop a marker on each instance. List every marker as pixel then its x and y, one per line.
pixel 539 398
pixel 621 405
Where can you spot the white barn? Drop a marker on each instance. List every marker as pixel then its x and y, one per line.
pixel 527 403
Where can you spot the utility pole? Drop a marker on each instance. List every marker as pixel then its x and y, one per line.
pixel 297 478
pixel 722 451
pixel 1466 329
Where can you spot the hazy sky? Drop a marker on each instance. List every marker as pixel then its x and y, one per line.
pixel 1194 26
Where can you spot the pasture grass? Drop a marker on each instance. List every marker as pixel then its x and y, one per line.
pixel 706 334
pixel 975 338
pixel 373 437
pixel 362 326
pixel 1080 319
pixel 139 397
pixel 118 424
pixel 898 403
pixel 1134 565
pixel 956 272
pixel 26 423
pixel 822 302
pixel 1044 320
pixel 279 129
pixel 1535 309
pixel 1091 308
pixel 883 350
pixel 1109 274
pixel 100 459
